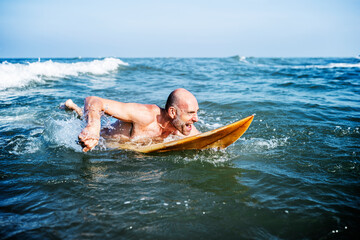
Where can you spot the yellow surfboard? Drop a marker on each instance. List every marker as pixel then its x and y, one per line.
pixel 218 138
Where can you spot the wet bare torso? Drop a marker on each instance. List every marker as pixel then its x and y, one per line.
pixel 125 131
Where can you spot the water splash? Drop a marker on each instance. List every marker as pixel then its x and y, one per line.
pixel 63 133
pixel 261 144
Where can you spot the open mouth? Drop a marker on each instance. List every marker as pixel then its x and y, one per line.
pixel 188 126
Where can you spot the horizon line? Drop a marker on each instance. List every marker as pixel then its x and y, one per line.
pixel 237 55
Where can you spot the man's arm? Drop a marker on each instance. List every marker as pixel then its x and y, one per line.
pixel 127 112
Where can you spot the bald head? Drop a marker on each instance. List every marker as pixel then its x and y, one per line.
pixel 179 98
pixel 181 108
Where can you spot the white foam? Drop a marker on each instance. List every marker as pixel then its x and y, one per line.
pixel 243 59
pixel 213 125
pixel 271 143
pixel 171 138
pixel 25 145
pixel 209 123
pixel 342 65
pixel 260 144
pixel 19 75
pixel 330 65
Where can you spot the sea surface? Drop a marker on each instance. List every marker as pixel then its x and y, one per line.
pixel 295 174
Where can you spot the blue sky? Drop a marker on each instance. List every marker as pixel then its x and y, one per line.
pixel 204 28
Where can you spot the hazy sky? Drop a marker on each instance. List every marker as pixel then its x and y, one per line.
pixel 167 28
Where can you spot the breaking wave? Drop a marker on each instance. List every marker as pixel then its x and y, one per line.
pixel 20 75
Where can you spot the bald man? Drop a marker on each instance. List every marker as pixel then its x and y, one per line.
pixel 136 121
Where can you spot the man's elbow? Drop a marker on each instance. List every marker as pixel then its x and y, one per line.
pixel 93 101
pixel 90 98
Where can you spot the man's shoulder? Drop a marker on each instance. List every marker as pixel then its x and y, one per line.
pixel 150 108
pixel 153 108
pixel 148 114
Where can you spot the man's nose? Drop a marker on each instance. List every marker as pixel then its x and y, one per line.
pixel 195 118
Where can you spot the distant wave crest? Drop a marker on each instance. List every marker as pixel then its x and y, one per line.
pixel 20 75
pixel 341 65
pixel 332 65
pixel 239 58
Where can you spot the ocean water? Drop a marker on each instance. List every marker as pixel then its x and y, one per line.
pixel 294 174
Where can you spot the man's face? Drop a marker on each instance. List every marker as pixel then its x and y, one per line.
pixel 185 117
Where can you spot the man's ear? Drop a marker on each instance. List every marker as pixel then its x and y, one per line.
pixel 172 112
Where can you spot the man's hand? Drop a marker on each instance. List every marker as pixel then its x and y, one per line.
pixel 89 138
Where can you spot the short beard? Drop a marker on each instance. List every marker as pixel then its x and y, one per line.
pixel 178 124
